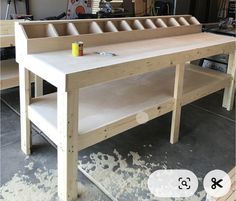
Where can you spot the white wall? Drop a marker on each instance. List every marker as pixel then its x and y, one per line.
pixel 20 7
pixel 38 8
pixel 45 8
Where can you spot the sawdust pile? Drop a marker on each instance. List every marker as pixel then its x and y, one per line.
pixel 124 181
pixel 123 177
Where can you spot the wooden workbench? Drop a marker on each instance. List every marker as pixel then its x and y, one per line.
pixel 9 68
pixel 9 71
pixel 100 96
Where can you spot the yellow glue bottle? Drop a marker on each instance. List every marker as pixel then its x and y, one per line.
pixel 75 49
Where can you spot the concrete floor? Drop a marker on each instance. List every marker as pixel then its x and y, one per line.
pixel 207 141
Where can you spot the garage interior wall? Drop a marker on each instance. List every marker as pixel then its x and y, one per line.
pixel 39 8
pixel 45 8
pixel 182 7
pixel 204 11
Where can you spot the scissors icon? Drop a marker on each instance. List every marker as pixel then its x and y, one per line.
pixel 216 183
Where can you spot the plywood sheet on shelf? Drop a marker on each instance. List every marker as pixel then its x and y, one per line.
pixel 103 104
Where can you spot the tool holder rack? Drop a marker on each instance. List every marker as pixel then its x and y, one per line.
pixel 59 34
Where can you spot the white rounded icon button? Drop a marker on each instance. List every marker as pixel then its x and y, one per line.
pixel 217 183
pixel 172 183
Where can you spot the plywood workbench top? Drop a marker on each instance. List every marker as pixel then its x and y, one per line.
pixel 63 61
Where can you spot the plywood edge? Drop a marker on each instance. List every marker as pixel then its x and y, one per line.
pixel 102 19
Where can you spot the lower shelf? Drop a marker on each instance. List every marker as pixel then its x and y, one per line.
pixel 9 74
pixel 111 108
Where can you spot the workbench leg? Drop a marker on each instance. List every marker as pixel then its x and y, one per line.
pixel 229 92
pixel 38 86
pixel 178 91
pixel 67 150
pixel 25 96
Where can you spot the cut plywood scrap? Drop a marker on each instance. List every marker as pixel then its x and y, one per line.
pixel 116 112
